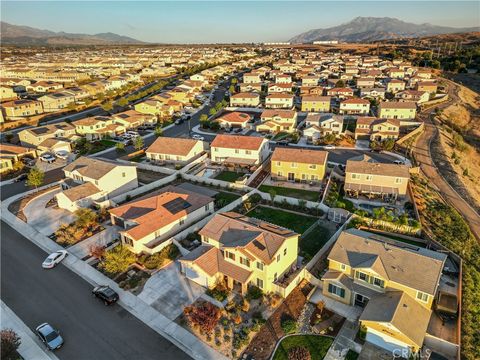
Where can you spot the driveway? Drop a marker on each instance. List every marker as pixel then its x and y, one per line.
pixel 46 220
pixel 168 291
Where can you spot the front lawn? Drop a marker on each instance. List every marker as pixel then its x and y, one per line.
pixel 230 176
pixel 224 198
pixel 313 241
pixel 290 192
pixel 317 346
pixel 295 222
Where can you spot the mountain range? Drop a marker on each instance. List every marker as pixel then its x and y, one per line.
pixel 368 29
pixel 25 35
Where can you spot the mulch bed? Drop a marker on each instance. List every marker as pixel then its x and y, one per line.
pixel 264 342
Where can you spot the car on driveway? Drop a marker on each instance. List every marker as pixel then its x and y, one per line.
pixel 105 293
pixel 62 154
pixel 49 158
pixel 49 336
pixel 28 162
pixel 54 259
pixel 198 137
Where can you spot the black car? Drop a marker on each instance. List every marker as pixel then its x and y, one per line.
pixel 21 178
pixel 106 294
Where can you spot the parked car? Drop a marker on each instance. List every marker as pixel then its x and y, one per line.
pixel 399 162
pixel 106 294
pixel 198 137
pixel 133 134
pixel 179 121
pixel 54 259
pixel 49 158
pixel 329 147
pixel 28 162
pixel 62 154
pixel 49 336
pixel 21 178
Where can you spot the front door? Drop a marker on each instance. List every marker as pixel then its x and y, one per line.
pixel 291 177
pixel 361 300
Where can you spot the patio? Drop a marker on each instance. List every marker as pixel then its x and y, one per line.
pixel 347 311
pixel 308 186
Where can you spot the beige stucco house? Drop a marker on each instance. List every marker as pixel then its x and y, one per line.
pixel 239 150
pixel 178 151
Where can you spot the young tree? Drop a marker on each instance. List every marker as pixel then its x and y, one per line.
pixel 72 106
pixel 10 342
pixel 122 102
pixel 205 316
pixel 85 217
pixel 272 193
pixel 8 137
pixel 203 117
pixel 340 83
pixel 97 251
pixel 158 131
pixel 108 106
pixel 120 147
pixel 35 177
pixel 117 260
pixel 138 143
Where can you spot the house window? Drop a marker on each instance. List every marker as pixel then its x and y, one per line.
pixel 123 174
pixel 343 267
pixel 294 165
pixel 237 151
pixel 378 282
pixel 278 163
pixel 248 152
pixel 368 177
pixel 259 265
pixel 275 277
pixel 207 207
pixel 96 182
pixel 127 241
pixel 335 290
pixel 230 255
pixel 279 173
pixel 245 261
pixel 356 176
pixel 398 180
pixel 422 296
pixel 260 283
pixel 278 257
pixel 285 252
pixel 181 222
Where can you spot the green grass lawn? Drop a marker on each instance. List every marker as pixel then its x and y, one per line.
pixel 295 193
pixel 230 176
pixel 316 345
pixel 295 222
pixel 281 136
pixel 224 198
pixel 311 243
pixel 398 238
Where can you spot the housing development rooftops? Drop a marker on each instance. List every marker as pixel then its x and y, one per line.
pixel 92 168
pixel 238 142
pixel 172 146
pixel 235 117
pixel 303 156
pixel 398 105
pixel 366 165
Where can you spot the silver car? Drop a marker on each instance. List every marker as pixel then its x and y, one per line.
pixel 49 336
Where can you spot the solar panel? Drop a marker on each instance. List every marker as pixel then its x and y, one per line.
pixel 176 205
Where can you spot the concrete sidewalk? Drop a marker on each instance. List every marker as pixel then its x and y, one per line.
pixel 171 331
pixel 30 348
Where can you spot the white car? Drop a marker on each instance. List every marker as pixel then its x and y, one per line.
pixel 62 154
pixel 329 147
pixel 132 134
pixel 198 137
pixel 54 259
pixel 49 158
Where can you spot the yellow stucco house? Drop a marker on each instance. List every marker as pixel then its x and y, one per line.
pixel 240 251
pixel 10 154
pixel 395 284
pixel 403 110
pixel 316 103
pixel 174 150
pixel 274 121
pixel 98 127
pixel 245 100
pixel 21 108
pixel 298 165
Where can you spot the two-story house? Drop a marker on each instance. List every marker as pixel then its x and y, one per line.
pixel 21 108
pixel 59 136
pixel 316 103
pixel 179 151
pixel 98 127
pixel 147 222
pixel 279 101
pixel 245 99
pixel 298 165
pixel 355 106
pixel 239 150
pixel 394 282
pixel 240 251
pixel 274 121
pixel 402 110
pixel 56 101
pixel 88 180
pixel 234 119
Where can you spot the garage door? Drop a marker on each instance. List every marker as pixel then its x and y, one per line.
pixel 194 276
pixel 388 343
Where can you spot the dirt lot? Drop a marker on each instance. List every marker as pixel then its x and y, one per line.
pixel 147 176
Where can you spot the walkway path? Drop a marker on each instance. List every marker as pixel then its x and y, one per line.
pixel 344 342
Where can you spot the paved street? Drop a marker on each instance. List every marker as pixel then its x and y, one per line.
pixel 60 297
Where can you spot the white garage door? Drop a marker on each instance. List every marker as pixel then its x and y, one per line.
pixel 388 343
pixel 194 276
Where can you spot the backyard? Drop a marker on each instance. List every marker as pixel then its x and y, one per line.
pixel 230 176
pixel 224 198
pixel 293 221
pixel 316 345
pixel 314 240
pixel 291 192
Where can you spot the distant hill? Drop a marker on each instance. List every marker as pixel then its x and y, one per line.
pixel 368 29
pixel 25 35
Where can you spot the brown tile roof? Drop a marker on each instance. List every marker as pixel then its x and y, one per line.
pixel 279 96
pixel 243 95
pixel 172 146
pixel 377 168
pixel 398 105
pixel 414 267
pixel 285 114
pixel 81 191
pixel 238 142
pixel 303 156
pixel 153 212
pixel 92 168
pixel 6 149
pixel 235 117
pixel 316 98
pixel 355 101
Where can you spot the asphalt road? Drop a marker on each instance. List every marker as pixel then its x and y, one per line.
pixel 60 297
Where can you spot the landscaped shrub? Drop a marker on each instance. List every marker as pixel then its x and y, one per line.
pixel 10 343
pixel 204 315
pixel 117 260
pixel 299 353
pixel 219 293
pixel 254 293
pixel 289 325
pixel 157 260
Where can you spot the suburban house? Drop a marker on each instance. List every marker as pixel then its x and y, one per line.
pixel 132 119
pixel 403 110
pixel 245 99
pixel 7 92
pixel 251 78
pixel 394 282
pixel 89 180
pixel 10 154
pixel 274 121
pixel 395 85
pixel 374 181
pixel 310 80
pixel 279 101
pixel 98 127
pixel 280 88
pixel 298 165
pixel 248 87
pixel 234 119
pixel 365 82
pixel 149 221
pixel 240 252
pixel 283 79
pixel 179 151
pixel 355 106
pixel 374 93
pixel 44 86
pixel 326 123
pixel 429 86
pixel 340 93
pixel 239 150
pixel 21 108
pixel 59 136
pixel 316 103
pixel 56 101
pixel 382 129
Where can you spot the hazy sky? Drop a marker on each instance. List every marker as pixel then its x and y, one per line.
pixel 224 21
